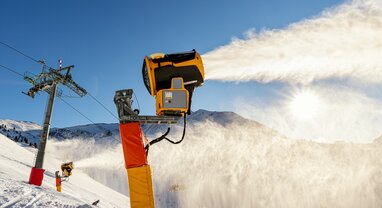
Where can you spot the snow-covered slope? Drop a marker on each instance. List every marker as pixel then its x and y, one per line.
pixel 79 191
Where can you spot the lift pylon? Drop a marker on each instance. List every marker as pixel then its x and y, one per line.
pixel 47 81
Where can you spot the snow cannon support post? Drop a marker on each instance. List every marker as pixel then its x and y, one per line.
pixel 36 176
pixel 58 181
pixel 58 184
pixel 138 170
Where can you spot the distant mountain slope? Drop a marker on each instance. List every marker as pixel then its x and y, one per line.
pixel 112 130
pixel 22 131
pixel 20 125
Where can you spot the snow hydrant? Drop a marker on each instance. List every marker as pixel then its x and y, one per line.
pixel 58 181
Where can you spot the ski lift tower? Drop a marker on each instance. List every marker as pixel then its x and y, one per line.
pixel 47 81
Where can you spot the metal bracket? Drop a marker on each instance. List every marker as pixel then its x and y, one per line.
pixel 123 100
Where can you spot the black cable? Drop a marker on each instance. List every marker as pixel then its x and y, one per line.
pixel 184 133
pixel 11 70
pixel 147 147
pixel 156 140
pixel 139 107
pixel 26 55
pixel 103 106
pixel 35 60
pixel 97 125
pixel 18 51
pixel 69 95
pixel 76 110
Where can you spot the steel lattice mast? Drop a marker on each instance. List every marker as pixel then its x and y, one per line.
pixel 48 81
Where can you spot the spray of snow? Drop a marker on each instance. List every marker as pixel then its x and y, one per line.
pixel 342 114
pixel 337 53
pixel 342 42
pixel 101 160
pixel 247 165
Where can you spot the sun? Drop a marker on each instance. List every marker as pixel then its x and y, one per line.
pixel 305 105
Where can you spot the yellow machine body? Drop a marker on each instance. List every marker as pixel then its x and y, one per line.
pixel 158 72
pixel 173 101
pixel 66 169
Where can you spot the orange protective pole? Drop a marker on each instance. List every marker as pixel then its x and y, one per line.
pixel 140 186
pixel 58 184
pixel 139 173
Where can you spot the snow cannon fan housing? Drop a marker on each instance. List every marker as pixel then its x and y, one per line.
pixel 172 78
pixel 67 168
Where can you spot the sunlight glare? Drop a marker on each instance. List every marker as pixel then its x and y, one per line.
pixel 305 105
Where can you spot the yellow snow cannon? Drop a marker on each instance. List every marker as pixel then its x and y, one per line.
pixel 66 169
pixel 172 78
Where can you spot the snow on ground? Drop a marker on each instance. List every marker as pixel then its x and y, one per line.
pixel 79 191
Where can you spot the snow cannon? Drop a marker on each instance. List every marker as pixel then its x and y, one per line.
pixel 172 78
pixel 66 169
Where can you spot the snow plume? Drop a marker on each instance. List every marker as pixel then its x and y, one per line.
pixel 102 160
pixel 342 42
pixel 343 114
pixel 243 164
pixel 337 53
pixel 240 165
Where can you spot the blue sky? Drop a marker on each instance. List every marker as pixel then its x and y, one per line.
pixel 107 40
